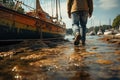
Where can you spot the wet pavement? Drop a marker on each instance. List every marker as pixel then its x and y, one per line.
pixel 34 60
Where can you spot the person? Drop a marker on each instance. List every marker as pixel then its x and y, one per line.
pixel 78 11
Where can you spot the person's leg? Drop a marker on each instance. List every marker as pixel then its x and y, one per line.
pixel 75 27
pixel 75 22
pixel 83 22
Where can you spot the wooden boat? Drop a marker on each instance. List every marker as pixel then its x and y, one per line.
pixel 15 25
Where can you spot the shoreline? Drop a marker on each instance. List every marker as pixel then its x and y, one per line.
pixel 111 39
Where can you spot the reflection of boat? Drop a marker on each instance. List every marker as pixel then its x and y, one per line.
pixel 33 25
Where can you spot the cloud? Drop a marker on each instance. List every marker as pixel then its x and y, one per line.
pixel 108 4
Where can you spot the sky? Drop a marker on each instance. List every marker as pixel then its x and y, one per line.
pixel 104 11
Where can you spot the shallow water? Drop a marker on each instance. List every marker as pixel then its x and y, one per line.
pixel 96 61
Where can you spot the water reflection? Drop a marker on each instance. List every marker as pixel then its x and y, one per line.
pixel 66 62
pixel 81 75
pixel 82 69
pixel 78 49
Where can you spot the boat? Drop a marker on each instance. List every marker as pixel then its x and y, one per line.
pixel 91 33
pixel 36 24
pixel 108 32
pixel 100 32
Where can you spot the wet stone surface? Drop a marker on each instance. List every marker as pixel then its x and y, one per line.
pixel 37 60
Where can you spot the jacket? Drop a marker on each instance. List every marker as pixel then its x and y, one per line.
pixel 80 5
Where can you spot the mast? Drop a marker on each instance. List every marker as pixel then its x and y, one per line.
pixel 17 5
pixel 110 23
pixel 60 10
pixel 38 7
pixel 100 25
pixel 57 10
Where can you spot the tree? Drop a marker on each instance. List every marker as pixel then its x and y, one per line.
pixel 116 21
pixel 9 3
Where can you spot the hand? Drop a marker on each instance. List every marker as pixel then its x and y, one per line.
pixel 69 15
pixel 89 15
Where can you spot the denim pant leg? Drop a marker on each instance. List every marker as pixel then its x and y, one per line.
pixel 83 22
pixel 75 22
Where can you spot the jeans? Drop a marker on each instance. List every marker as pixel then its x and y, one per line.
pixel 79 21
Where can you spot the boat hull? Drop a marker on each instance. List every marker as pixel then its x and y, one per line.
pixel 14 25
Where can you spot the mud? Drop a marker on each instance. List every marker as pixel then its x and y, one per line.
pixel 52 60
pixel 111 39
